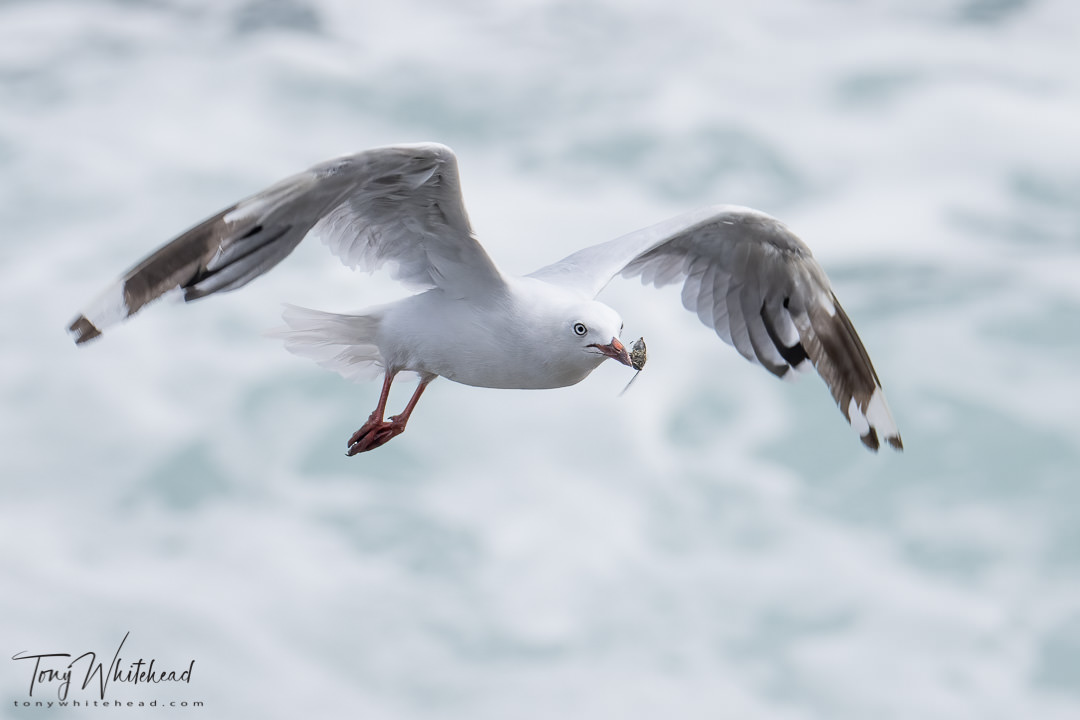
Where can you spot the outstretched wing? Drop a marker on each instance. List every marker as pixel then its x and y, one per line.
pixel 400 205
pixel 757 285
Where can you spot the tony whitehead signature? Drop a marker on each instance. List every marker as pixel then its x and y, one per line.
pixel 54 670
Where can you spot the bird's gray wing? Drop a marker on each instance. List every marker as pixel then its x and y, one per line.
pixel 757 285
pixel 400 205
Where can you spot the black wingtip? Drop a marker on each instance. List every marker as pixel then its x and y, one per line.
pixel 83 330
pixel 871 441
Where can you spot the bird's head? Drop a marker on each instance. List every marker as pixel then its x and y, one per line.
pixel 566 336
pixel 594 328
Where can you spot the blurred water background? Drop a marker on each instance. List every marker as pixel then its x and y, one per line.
pixel 714 544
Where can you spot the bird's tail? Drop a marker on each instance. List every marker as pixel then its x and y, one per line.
pixel 342 343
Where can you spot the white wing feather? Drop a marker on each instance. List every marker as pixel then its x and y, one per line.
pixel 758 287
pixel 397 205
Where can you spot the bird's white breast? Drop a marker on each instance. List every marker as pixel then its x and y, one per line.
pixel 502 341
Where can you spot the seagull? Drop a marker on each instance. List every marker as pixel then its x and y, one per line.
pixel 744 273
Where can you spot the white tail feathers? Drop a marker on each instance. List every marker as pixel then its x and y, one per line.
pixel 342 343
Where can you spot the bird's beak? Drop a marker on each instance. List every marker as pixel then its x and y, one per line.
pixel 615 350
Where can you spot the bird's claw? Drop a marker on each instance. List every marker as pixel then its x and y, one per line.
pixel 373 435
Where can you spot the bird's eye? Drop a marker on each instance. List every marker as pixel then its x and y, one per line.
pixel 580 329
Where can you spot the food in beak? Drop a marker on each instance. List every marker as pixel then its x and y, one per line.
pixel 615 350
pixel 637 354
pixel 637 361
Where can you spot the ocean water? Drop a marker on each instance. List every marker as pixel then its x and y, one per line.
pixel 713 544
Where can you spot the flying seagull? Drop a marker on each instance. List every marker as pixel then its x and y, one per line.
pixel 743 273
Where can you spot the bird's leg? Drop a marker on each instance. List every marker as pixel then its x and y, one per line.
pixel 376 432
pixel 376 417
pixel 404 416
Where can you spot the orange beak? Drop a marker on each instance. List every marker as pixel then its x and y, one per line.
pixel 615 350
